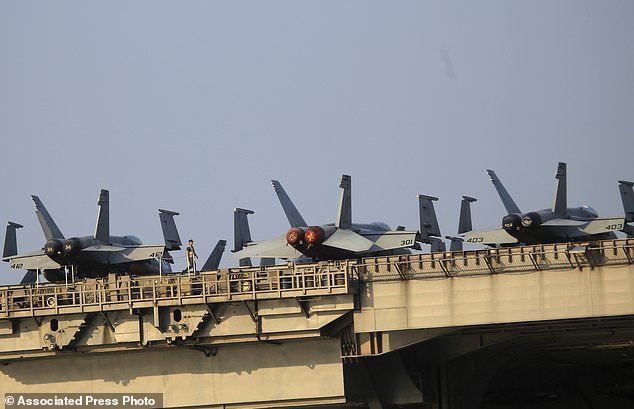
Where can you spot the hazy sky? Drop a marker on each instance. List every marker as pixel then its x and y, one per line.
pixel 194 106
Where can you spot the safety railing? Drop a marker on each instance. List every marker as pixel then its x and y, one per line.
pixel 294 280
pixel 505 260
pixel 125 292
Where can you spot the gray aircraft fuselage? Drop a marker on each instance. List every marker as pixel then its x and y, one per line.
pixel 315 250
pixel 68 252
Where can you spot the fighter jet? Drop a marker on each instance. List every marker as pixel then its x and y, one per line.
pixel 554 225
pixel 340 240
pixel 92 256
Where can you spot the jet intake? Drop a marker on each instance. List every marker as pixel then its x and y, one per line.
pixel 511 222
pixel 295 236
pixel 531 220
pixel 53 248
pixel 315 235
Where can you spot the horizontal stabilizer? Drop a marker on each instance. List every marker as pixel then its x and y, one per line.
pixel 507 201
pixel 348 240
pixel 124 254
pixel 276 248
pixel 10 240
pixel 50 229
pixel 295 219
pixel 627 197
pixel 489 237
pixel 391 240
pixel 36 260
pixel 427 216
pixel 213 261
pixel 170 231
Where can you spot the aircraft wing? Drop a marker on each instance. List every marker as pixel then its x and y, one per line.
pixel 489 237
pixel 390 240
pixel 124 254
pixel 574 228
pixel 277 248
pixel 36 260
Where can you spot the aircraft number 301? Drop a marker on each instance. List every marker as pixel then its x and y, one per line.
pixel 407 242
pixel 475 240
pixel 617 226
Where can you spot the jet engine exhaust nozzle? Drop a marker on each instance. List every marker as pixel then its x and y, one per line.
pixel 531 220
pixel 315 235
pixel 295 236
pixel 53 247
pixel 71 246
pixel 511 222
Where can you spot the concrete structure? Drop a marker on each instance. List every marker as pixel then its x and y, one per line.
pixel 421 330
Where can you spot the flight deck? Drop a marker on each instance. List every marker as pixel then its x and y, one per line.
pixel 352 332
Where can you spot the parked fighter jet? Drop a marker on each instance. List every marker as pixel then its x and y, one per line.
pixel 557 224
pixel 339 240
pixel 92 256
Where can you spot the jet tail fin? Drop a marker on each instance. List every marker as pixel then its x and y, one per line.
pixel 267 261
pixel 170 232
pixel 50 229
pixel 437 245
pixel 10 240
pixel 464 224
pixel 102 229
pixel 292 214
pixel 456 243
pixel 241 233
pixel 213 261
pixel 560 204
pixel 507 200
pixel 29 278
pixel 627 197
pixel 429 228
pixel 344 213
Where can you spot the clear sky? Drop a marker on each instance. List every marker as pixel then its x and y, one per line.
pixel 194 106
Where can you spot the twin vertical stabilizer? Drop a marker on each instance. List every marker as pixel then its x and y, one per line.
pixel 170 232
pixel 344 213
pixel 507 200
pixel 560 204
pixel 10 240
pixel 102 229
pixel 50 229
pixel 294 217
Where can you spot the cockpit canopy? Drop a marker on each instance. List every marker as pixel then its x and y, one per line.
pixel 588 211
